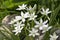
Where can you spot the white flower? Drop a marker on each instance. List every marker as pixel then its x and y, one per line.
pixel 53 37
pixel 32 16
pixel 17 30
pixel 17 18
pixel 19 24
pixel 31 9
pixel 40 23
pixel 23 16
pixel 45 28
pixel 45 12
pixel 22 7
pixel 18 27
pixel 33 32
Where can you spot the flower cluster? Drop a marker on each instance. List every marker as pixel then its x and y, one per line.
pixel 30 15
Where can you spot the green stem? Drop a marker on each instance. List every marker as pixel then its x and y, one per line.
pixel 48 18
pixel 32 23
pixel 40 17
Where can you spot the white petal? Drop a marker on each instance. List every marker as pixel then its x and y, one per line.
pixel 42 12
pixel 19 6
pixel 49 12
pixel 36 26
pixel 30 31
pixel 51 36
pixel 33 29
pixel 23 20
pixel 45 22
pixel 16 33
pixel 24 5
pixel 41 28
pixel 47 9
pixel 51 39
pixel 36 22
pixel 43 9
pixel 34 6
pixel 22 24
pixel 15 24
pixel 30 34
pixel 49 28
pixel 46 26
pixel 33 35
pixel 17 18
pixel 36 30
pixel 27 15
pixel 37 33
pixel 21 28
pixel 22 14
pixel 11 22
pixel 35 16
pixel 41 21
pixel 43 31
pixel 18 9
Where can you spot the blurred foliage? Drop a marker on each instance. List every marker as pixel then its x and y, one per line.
pixel 8 7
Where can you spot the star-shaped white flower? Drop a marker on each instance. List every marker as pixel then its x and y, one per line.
pixel 19 24
pixel 18 27
pixel 17 30
pixel 40 23
pixel 32 16
pixel 17 18
pixel 53 37
pixel 45 28
pixel 23 16
pixel 45 12
pixel 30 9
pixel 33 32
pixel 22 7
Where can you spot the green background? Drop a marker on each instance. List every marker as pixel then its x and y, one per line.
pixel 8 7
